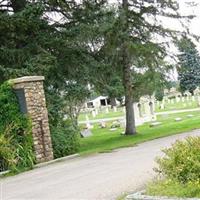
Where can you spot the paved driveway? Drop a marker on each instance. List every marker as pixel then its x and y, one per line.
pixel 102 176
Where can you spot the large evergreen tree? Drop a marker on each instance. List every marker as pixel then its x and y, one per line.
pixel 189 65
pixel 130 48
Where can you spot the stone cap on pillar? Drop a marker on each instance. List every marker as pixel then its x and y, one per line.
pixel 27 79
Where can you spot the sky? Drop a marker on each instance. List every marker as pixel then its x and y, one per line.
pixel 193 25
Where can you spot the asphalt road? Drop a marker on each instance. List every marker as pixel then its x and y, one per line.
pixel 102 176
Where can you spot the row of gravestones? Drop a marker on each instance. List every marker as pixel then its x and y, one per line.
pixel 95 112
pixel 188 99
pixel 148 107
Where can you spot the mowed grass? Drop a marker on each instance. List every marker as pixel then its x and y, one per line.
pixel 105 140
pixel 172 188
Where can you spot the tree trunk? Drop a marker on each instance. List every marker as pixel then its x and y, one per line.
pixel 130 118
pixel 113 102
pixel 127 78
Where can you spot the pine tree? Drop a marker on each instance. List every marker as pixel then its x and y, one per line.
pixel 189 65
pixel 130 45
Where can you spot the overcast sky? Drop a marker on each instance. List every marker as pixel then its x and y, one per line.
pixel 194 24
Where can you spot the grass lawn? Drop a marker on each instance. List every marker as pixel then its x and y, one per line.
pixel 174 189
pixel 104 140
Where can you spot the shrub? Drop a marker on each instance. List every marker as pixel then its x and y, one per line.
pixel 16 146
pixel 7 157
pixel 182 161
pixel 65 139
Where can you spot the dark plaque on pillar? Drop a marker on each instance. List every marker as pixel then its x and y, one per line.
pixel 22 101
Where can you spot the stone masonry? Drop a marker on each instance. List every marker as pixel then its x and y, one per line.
pixel 34 104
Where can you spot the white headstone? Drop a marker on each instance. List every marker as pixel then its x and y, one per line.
pixel 86 118
pixel 177 99
pixel 86 133
pixel 102 124
pixel 162 106
pixel 88 125
pixel 193 98
pixel 115 108
pixel 178 119
pixel 93 113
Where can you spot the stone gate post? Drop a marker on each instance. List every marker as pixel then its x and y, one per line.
pixel 30 93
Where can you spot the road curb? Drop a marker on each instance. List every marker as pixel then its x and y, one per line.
pixel 56 160
pixel 4 173
pixel 140 196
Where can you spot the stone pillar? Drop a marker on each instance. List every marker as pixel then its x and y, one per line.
pixel 32 101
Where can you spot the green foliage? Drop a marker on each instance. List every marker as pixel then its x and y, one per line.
pixel 159 94
pixel 174 189
pixel 182 161
pixel 189 65
pixel 7 157
pixel 65 139
pixel 15 132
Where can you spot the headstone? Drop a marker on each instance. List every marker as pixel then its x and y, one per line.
pixel 193 98
pixel 155 124
pixel 154 118
pixel 93 114
pixel 183 99
pixel 86 133
pixel 151 107
pixel 115 124
pixel 107 110
pixel 65 117
pixel 178 119
pixel 96 111
pixel 124 109
pixel 113 129
pixel 89 126
pixel 177 99
pixel 122 123
pixel 162 106
pixel 137 111
pixel 102 124
pixel 115 108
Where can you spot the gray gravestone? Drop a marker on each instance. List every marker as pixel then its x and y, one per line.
pixel 86 133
